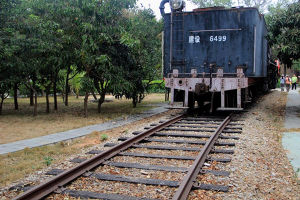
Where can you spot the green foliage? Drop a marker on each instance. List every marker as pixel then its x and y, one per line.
pixel 145 57
pixel 284 32
pixel 103 137
pixel 103 46
pixel 86 84
pixel 296 65
pixel 156 86
pixel 48 160
pixel 260 4
pixel 75 82
pixel 211 3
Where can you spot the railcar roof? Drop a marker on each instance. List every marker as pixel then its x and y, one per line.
pixel 219 8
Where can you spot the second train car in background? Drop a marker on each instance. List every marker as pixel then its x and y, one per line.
pixel 217 56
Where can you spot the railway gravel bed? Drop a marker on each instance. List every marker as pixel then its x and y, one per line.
pixel 108 180
pixel 259 168
pixel 12 190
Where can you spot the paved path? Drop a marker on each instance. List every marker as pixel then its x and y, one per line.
pixel 71 134
pixel 292 116
pixel 291 140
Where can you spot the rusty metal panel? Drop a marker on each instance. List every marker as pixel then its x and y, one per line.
pixel 217 83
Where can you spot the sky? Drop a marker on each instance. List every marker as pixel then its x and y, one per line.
pixel 154 5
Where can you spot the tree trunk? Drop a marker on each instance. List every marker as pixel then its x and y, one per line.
pixel 77 94
pixel 31 97
pixel 1 103
pixel 100 101
pixel 95 97
pixel 141 97
pixel 35 104
pixel 16 96
pixel 47 100
pixel 54 92
pixel 67 89
pixel 284 69
pixel 85 104
pixel 101 93
pixel 134 100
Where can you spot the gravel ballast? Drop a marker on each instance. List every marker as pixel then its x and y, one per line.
pixel 259 168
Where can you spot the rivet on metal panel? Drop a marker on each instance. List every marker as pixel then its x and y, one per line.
pixel 175 73
pixel 239 83
pixel 220 72
pixel 194 73
pixel 222 83
pixel 239 71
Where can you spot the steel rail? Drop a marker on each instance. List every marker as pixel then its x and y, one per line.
pixel 62 179
pixel 189 179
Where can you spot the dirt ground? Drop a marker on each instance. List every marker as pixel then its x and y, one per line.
pixel 19 125
pixel 259 168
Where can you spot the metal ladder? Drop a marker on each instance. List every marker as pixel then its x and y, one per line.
pixel 177 42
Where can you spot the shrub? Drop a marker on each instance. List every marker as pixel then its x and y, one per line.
pixel 104 137
pixel 48 160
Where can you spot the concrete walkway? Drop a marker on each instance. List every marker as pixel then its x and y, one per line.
pixel 71 134
pixel 291 140
pixel 292 116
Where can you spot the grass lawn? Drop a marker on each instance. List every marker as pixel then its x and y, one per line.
pixel 21 164
pixel 19 125
pixel 16 165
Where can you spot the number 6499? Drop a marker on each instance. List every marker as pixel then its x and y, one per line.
pixel 218 38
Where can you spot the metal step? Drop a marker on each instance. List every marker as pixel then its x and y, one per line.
pixel 229 109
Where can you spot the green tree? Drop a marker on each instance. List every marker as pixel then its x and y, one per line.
pixel 46 42
pixel 101 27
pixel 87 86
pixel 75 83
pixel 260 4
pixel 284 32
pixel 8 35
pixel 145 52
pixel 211 3
pixel 5 85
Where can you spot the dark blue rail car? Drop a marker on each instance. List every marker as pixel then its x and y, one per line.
pixel 215 54
pixel 226 37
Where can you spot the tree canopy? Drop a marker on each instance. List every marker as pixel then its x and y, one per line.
pixel 284 32
pixel 45 44
pixel 262 5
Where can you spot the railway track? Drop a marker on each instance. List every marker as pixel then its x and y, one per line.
pixel 184 148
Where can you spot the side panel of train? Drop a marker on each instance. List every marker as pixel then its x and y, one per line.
pixel 217 50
